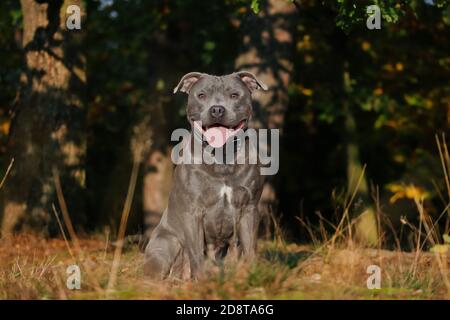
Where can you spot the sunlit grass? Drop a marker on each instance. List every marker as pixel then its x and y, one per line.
pixel 35 268
pixel 333 266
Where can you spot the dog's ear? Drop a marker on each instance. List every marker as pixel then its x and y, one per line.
pixel 187 82
pixel 251 81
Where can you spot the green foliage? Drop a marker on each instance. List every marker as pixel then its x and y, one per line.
pixel 255 6
pixel 353 14
pixel 136 51
pixel 446 238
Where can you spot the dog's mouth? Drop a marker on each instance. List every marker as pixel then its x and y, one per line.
pixel 216 135
pixel 239 126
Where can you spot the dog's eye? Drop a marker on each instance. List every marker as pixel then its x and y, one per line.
pixel 234 96
pixel 201 96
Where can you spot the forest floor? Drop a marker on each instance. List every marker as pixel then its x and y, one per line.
pixel 32 267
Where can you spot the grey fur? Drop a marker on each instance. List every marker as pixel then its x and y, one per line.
pixel 211 208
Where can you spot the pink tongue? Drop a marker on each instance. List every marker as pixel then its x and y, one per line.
pixel 218 136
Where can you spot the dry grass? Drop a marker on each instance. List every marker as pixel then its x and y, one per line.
pixel 35 268
pixel 333 267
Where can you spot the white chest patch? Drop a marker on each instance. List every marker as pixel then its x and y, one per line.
pixel 226 192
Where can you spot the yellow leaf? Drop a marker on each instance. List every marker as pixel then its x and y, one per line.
pixel 378 91
pixel 395 197
pixel 4 128
pixel 388 67
pixel 413 192
pixel 365 46
pixel 242 10
pixel 394 187
pixel 409 192
pixel 305 91
pixel 440 248
pixel 399 158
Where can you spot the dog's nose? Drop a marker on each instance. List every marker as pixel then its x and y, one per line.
pixel 217 111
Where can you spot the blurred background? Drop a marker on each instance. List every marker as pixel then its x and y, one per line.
pixel 359 110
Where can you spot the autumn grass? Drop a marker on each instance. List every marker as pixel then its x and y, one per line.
pixel 32 267
pixel 333 266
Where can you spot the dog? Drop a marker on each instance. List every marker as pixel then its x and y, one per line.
pixel 212 208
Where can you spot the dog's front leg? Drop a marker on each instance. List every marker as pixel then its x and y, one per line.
pixel 195 244
pixel 248 231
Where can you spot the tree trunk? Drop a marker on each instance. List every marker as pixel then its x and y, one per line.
pixel 156 187
pixel 47 130
pixel 267 51
pixel 158 168
pixel 366 226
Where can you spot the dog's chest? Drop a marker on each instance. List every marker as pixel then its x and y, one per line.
pixel 221 213
pixel 218 198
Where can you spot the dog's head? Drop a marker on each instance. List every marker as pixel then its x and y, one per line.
pixel 219 107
